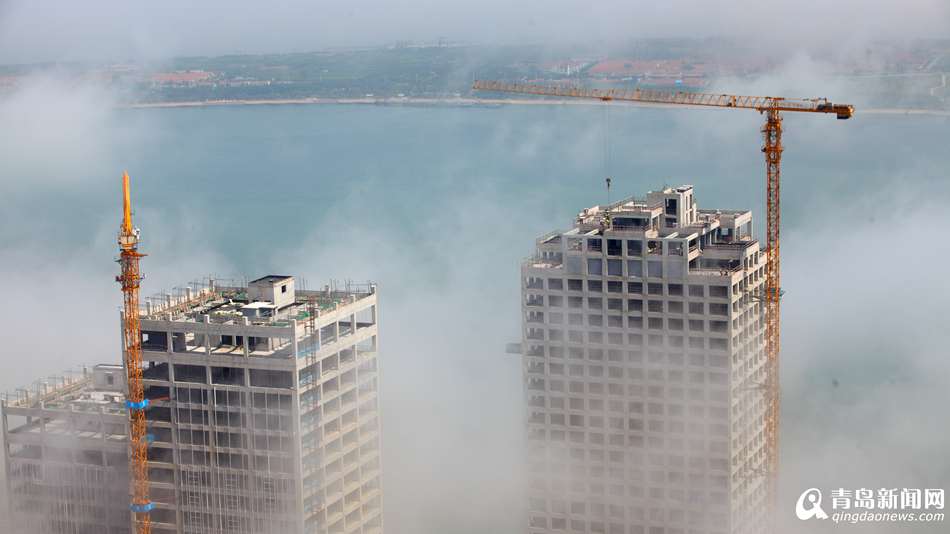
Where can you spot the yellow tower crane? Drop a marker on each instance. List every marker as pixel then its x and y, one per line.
pixel 130 278
pixel 772 107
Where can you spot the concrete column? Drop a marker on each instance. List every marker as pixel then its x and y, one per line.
pixel 206 319
pixel 293 337
pixel 247 351
pixel 101 425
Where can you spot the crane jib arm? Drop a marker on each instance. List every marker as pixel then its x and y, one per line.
pixel 759 103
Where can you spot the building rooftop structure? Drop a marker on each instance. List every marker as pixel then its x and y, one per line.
pixel 671 223
pixel 268 308
pixel 95 390
pixel 221 297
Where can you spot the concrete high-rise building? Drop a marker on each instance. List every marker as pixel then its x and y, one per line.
pixel 643 363
pixel 263 409
pixel 65 443
pixel 263 417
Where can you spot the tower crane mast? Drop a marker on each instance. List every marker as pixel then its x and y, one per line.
pixel 772 108
pixel 130 279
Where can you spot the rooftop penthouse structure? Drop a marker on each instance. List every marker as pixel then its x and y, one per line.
pixel 643 358
pixel 262 408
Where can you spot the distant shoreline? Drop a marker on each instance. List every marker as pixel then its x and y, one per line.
pixel 458 102
pixel 368 101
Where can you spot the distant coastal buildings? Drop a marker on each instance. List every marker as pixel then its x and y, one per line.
pixel 894 75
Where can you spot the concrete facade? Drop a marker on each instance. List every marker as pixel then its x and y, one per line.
pixel 264 409
pixel 65 454
pixel 263 418
pixel 643 357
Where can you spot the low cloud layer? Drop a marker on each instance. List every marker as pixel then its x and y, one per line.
pixel 864 337
pixel 63 148
pixel 54 127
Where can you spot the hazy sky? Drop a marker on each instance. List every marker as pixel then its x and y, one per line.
pixel 59 30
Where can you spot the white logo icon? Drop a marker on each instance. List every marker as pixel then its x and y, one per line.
pixel 813 496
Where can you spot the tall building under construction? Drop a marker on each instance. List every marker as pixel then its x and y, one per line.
pixel 262 417
pixel 264 409
pixel 65 443
pixel 644 363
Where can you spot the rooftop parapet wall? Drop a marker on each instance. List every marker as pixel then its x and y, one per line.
pixel 74 396
pixel 223 297
pixel 49 389
pixel 227 323
pixel 664 235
